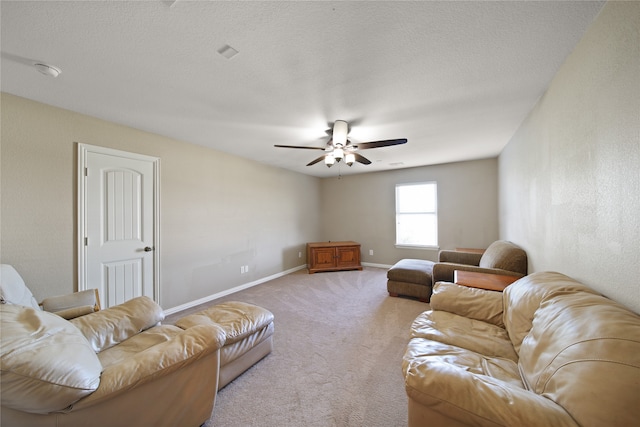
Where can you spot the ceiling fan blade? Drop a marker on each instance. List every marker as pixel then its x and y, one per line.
pixel 377 144
pixel 362 159
pixel 299 146
pixel 315 161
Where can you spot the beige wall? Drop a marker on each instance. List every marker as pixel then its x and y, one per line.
pixel 218 212
pixel 362 208
pixel 570 177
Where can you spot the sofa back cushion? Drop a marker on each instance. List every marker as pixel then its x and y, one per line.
pixel 583 352
pixel 506 256
pixel 46 364
pixel 522 298
pixel 113 325
pixel 474 303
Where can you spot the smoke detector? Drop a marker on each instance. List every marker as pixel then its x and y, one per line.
pixel 47 70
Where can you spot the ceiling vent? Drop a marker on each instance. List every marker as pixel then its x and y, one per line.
pixel 227 51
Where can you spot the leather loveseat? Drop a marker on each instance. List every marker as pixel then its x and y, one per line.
pixel 548 351
pixel 501 257
pixel 114 367
pixel 415 277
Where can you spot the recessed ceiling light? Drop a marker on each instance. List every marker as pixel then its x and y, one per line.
pixel 227 51
pixel 47 70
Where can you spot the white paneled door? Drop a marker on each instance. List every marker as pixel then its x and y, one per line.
pixel 118 245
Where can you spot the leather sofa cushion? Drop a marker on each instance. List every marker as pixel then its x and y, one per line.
pixel 237 319
pixel 460 331
pixel 111 326
pixel 583 352
pixel 421 351
pixel 474 389
pixel 46 362
pixel 469 302
pixel 137 343
pixel 523 297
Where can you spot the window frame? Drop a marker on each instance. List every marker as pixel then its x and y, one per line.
pixel 434 213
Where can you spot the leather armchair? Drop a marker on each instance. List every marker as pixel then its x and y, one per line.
pixel 501 257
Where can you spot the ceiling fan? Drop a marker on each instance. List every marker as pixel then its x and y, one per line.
pixel 339 147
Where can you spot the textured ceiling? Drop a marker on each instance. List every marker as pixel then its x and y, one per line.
pixel 455 78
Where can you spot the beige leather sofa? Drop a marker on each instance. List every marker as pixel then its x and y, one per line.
pixel 114 367
pixel 548 351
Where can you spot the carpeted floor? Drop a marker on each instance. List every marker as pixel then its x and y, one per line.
pixel 338 345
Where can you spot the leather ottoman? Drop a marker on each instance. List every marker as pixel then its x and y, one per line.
pixel 411 277
pixel 248 335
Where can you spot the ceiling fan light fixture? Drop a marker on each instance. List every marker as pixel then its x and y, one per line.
pixel 350 158
pixel 340 129
pixel 338 147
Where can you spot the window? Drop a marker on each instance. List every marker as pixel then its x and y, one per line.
pixel 417 214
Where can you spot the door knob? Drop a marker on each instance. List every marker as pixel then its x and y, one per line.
pixel 148 249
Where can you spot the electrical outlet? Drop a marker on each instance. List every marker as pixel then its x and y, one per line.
pixel 246 268
pixel 299 254
pixel 370 251
pixel 242 269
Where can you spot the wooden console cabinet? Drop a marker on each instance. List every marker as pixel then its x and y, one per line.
pixel 333 256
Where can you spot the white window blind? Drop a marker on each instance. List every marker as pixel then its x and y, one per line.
pixel 417 214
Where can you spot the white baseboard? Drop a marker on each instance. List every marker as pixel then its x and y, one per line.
pixel 371 264
pixel 179 308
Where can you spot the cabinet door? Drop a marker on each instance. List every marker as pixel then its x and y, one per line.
pixel 323 257
pixel 348 256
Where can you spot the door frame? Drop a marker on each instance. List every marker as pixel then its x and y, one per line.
pixel 83 150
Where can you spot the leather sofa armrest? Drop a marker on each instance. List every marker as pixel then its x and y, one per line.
pixel 459 257
pixel 72 313
pixel 195 319
pixel 473 303
pixel 162 359
pixel 59 304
